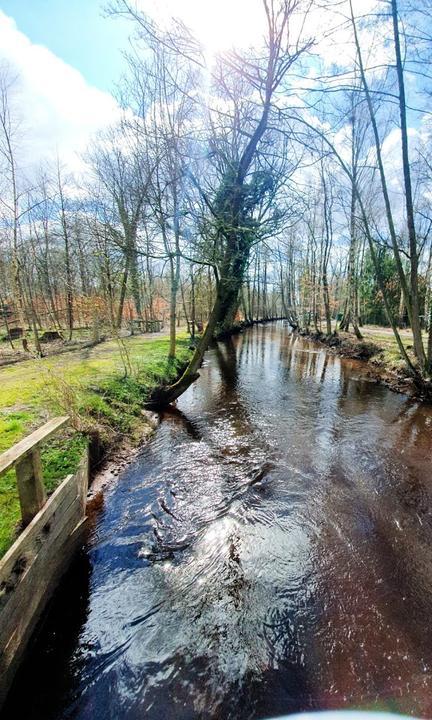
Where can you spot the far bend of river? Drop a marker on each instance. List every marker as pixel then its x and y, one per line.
pixel 269 551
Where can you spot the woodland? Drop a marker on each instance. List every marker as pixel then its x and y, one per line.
pixel 289 179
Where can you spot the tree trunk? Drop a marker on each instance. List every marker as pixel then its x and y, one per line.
pixel 193 311
pixel 123 288
pixel 326 298
pixel 409 204
pixel 175 274
pixel 134 278
pixel 411 300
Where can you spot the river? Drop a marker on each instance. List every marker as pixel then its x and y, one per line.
pixel 268 551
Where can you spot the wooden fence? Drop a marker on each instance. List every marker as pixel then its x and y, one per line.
pixel 53 528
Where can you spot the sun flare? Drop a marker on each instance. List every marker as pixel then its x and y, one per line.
pixel 218 26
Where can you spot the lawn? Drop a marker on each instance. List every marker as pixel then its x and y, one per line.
pixel 103 389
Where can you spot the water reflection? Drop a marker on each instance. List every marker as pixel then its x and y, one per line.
pixel 270 551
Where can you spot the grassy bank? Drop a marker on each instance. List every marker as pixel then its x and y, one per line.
pixel 379 348
pixel 92 387
pixel 385 339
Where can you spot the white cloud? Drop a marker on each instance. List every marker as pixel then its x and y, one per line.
pixel 57 110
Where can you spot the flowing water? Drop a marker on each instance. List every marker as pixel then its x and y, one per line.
pixel 269 551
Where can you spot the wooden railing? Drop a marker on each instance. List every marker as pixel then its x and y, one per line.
pixel 31 569
pixel 25 458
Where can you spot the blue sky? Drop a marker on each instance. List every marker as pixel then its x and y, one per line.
pixel 77 32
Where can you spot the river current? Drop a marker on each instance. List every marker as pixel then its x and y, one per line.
pixel 268 551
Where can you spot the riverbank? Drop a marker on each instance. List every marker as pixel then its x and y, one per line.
pixel 378 351
pixel 103 389
pixel 243 325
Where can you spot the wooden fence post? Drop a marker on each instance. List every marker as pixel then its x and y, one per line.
pixel 31 489
pixel 25 458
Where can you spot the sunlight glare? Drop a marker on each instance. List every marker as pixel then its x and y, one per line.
pixel 219 26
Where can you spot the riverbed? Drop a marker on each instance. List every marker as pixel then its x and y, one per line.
pixel 268 551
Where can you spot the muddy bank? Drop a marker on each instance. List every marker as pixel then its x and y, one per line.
pixel 243 325
pixel 106 463
pixel 110 456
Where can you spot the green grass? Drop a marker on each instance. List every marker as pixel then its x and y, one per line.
pixel 384 338
pixel 390 355
pixel 92 388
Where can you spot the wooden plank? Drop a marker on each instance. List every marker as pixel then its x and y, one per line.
pixel 11 655
pixel 31 489
pixel 11 457
pixel 26 546
pixel 82 478
pixel 39 584
pixel 18 612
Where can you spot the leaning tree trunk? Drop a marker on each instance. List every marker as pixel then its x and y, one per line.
pixel 229 204
pixel 229 288
pixel 218 323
